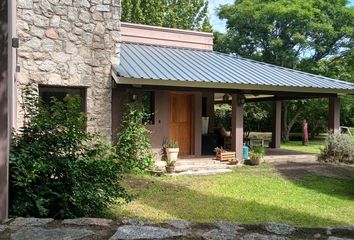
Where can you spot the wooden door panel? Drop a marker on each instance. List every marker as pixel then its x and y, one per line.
pixel 181 122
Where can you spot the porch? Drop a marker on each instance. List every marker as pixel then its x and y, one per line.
pixel 179 78
pixel 207 165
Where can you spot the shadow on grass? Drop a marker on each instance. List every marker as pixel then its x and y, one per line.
pixel 182 202
pixel 333 180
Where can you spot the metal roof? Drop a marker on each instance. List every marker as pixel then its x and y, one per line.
pixel 151 62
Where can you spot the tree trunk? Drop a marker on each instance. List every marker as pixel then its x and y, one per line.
pixel 287 126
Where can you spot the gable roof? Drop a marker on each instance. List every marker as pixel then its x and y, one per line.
pixel 160 65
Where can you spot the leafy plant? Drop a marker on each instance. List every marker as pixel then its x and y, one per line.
pixel 338 148
pixel 166 143
pixel 57 169
pixel 133 145
pixel 259 150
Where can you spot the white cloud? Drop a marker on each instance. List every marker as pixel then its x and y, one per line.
pixel 218 24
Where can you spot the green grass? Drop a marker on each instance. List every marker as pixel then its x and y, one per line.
pixel 313 146
pixel 248 195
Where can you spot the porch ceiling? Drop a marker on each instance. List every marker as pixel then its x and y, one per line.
pixel 142 64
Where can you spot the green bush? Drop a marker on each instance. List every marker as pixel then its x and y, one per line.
pixel 57 169
pixel 133 144
pixel 338 148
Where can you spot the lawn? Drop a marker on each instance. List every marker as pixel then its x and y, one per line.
pixel 247 195
pixel 313 146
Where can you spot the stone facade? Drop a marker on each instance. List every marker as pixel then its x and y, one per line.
pixel 71 43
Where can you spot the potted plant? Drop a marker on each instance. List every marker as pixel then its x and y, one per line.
pixel 169 153
pixel 172 150
pixel 256 155
pixel 170 166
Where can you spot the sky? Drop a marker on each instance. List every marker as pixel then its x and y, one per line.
pixel 219 25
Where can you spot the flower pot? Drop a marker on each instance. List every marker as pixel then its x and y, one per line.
pixel 255 160
pixel 172 154
pixel 170 169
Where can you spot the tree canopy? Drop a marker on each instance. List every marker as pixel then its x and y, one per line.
pixel 183 14
pixel 285 32
pixel 310 35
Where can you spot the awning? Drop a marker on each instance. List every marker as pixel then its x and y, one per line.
pixel 142 64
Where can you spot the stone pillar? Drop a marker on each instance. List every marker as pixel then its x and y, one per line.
pixel 334 114
pixel 71 44
pixel 276 131
pixel 237 126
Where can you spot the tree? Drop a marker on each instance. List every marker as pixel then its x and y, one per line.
pixel 183 14
pixel 298 34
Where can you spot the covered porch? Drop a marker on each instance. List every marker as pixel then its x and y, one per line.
pixel 180 86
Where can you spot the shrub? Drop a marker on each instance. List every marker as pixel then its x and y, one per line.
pixel 133 144
pixel 338 148
pixel 57 169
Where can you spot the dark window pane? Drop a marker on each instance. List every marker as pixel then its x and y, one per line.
pixel 148 102
pixel 47 93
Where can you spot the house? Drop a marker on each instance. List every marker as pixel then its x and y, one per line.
pixel 81 47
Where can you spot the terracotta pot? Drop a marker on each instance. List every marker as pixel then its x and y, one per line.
pixel 255 160
pixel 170 169
pixel 172 154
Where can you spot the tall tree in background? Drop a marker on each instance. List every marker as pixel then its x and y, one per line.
pixel 303 34
pixel 183 14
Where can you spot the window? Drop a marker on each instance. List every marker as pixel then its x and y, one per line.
pixel 148 102
pixel 46 94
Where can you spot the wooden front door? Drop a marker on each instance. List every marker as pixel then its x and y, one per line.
pixel 181 122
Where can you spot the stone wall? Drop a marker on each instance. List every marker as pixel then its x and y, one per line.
pixel 71 43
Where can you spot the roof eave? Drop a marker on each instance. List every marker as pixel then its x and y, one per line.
pixel 219 85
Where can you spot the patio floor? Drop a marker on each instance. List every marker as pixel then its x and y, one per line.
pixel 205 165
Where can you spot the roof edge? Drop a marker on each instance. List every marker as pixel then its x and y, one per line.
pixel 216 85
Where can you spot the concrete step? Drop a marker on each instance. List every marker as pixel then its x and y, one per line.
pixel 291 158
pixel 205 167
pixel 200 172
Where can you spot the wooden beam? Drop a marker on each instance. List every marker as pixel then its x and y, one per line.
pixel 237 127
pixel 4 108
pixel 334 114
pixel 289 97
pixel 276 131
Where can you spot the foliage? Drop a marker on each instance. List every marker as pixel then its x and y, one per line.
pixel 169 143
pixel 310 35
pixel 57 169
pixel 338 148
pixel 223 116
pixel 256 117
pixel 282 32
pixel 259 150
pixel 166 143
pixel 170 163
pixel 133 144
pixel 249 195
pixel 315 112
pixel 183 14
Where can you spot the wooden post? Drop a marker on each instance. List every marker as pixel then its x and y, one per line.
pixel 276 131
pixel 5 110
pixel 197 124
pixel 237 126
pixel 334 114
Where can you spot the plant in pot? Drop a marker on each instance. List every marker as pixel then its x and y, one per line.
pixel 172 150
pixel 169 153
pixel 256 155
pixel 170 166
